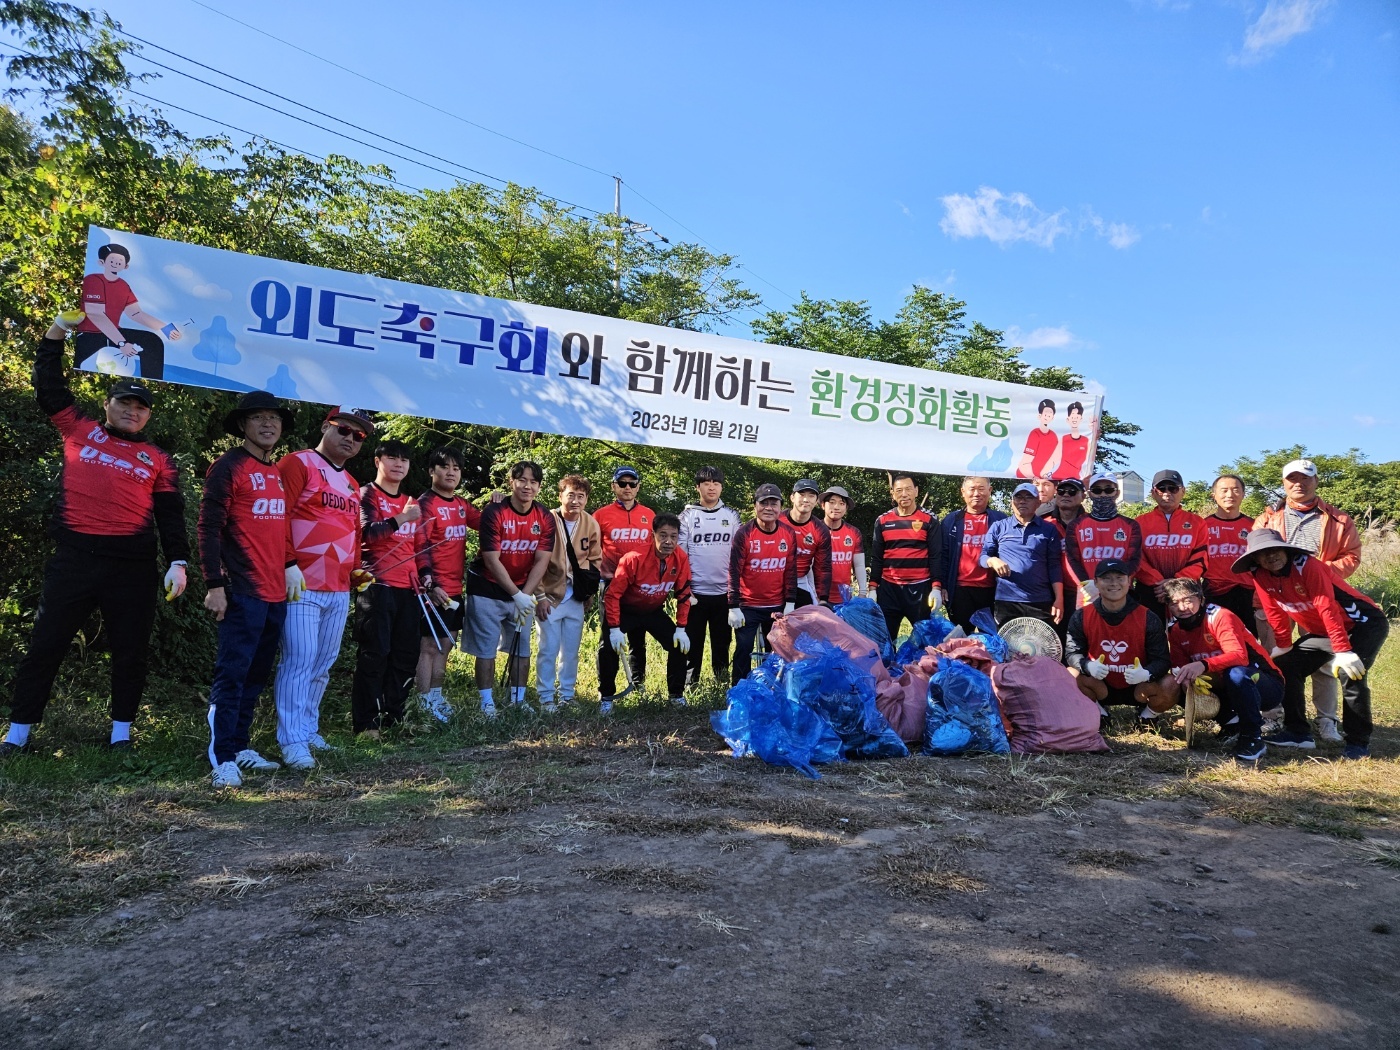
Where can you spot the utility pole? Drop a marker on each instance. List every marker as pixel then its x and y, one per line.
pixel 617 211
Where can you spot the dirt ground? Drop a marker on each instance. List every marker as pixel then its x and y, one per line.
pixel 654 893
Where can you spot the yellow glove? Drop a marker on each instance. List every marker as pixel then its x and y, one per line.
pixel 360 579
pixel 1203 684
pixel 69 319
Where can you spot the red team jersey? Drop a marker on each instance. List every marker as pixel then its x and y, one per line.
pixel 845 545
pixel 904 550
pixel 1220 641
pixel 970 573
pixel 1226 539
pixel 813 546
pixel 445 522
pixel 1314 597
pixel 115 297
pixel 388 550
pixel 1118 644
pixel 1074 450
pixel 1040 446
pixel 643 582
pixel 323 502
pixel 1171 547
pixel 517 538
pixel 762 567
pixel 1091 541
pixel 243 527
pixel 623 531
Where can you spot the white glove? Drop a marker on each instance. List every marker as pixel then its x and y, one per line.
pixel 174 581
pixel 1279 650
pixel 617 639
pixel 935 598
pixel 296 583
pixel 682 641
pixel 788 608
pixel 694 600
pixel 1137 674
pixel 524 607
pixel 1096 669
pixel 1348 664
pixel 736 618
pixel 1090 590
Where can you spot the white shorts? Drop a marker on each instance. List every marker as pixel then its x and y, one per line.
pixel 490 627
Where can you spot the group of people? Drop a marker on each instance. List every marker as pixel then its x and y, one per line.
pixel 1146 608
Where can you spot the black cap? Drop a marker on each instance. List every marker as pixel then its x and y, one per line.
pixel 1103 568
pixel 257 401
pixel 1069 481
pixel 626 472
pixel 1167 475
pixel 767 491
pixel 806 485
pixel 709 474
pixel 132 388
pixel 355 417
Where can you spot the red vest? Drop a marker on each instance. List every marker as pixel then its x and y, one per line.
pixel 1118 645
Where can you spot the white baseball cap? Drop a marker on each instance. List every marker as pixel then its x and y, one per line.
pixel 1027 488
pixel 1306 467
pixel 1101 476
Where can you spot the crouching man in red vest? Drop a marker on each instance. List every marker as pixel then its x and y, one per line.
pixel 1117 649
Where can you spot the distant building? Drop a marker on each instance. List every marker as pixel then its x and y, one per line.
pixel 1131 488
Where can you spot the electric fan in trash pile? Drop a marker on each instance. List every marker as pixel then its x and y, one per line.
pixel 1031 637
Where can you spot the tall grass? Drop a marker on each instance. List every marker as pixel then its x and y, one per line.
pixel 1379 573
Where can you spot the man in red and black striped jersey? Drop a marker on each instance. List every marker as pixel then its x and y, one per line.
pixel 387 613
pixel 1173 543
pixel 847 547
pixel 446 519
pixel 634 606
pixel 116 492
pixel 243 552
pixel 1101 535
pixel 762 575
pixel 813 544
pixel 517 539
pixel 905 550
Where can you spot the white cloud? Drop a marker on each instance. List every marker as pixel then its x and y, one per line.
pixel 195 285
pixel 1277 24
pixel 1003 218
pixel 1056 338
pixel 1093 386
pixel 1119 234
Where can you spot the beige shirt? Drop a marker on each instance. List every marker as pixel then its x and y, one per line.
pixel 588 548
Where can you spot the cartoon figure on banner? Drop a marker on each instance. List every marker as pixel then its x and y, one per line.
pixel 1074 460
pixel 1041 445
pixel 107 299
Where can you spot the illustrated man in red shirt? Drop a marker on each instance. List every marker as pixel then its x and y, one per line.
pixel 1041 445
pixel 107 298
pixel 634 606
pixel 762 575
pixel 116 493
pixel 243 535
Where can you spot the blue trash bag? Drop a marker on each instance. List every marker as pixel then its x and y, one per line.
pixel 865 616
pixel 930 632
pixel 829 682
pixel 982 621
pixel 761 720
pixel 962 713
pixel 995 645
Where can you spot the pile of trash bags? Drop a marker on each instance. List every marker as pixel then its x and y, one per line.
pixel 833 688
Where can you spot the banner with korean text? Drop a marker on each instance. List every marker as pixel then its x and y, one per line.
pixel 213 318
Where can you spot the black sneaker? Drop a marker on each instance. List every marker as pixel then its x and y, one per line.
pixel 1356 752
pixel 1249 751
pixel 1283 738
pixel 9 750
pixel 121 745
pixel 1229 730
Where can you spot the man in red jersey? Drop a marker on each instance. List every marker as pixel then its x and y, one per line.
pixel 107 298
pixel 387 613
pixel 243 552
pixel 1073 459
pixel 1041 445
pixel 905 554
pixel 1173 543
pixel 1341 632
pixel 1227 532
pixel 634 606
pixel 625 526
pixel 762 575
pixel 1117 649
pixel 847 547
pixel 813 544
pixel 517 538
pixel 1101 535
pixel 446 519
pixel 323 503
pixel 115 493
pixel 968 585
pixel 1211 641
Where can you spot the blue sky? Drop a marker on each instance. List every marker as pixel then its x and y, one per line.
pixel 1193 202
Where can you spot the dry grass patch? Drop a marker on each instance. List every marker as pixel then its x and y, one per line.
pixel 651 878
pixel 923 873
pixel 295 866
pixel 1113 859
pixel 404 897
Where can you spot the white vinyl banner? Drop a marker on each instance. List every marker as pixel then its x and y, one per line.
pixel 213 318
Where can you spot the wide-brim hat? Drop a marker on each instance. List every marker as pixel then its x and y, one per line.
pixel 1261 540
pixel 257 401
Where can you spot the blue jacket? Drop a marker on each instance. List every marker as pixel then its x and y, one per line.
pixel 952 528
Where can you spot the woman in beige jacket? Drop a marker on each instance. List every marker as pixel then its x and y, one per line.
pixel 559 613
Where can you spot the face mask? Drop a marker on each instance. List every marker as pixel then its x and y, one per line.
pixel 1104 507
pixel 1190 623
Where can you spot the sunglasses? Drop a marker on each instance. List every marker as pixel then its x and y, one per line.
pixel 624 484
pixel 1068 490
pixel 349 432
pixel 1099 490
pixel 1168 486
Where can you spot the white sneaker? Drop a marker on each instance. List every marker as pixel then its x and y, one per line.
pixel 678 701
pixel 1327 729
pixel 250 759
pixel 298 756
pixel 488 708
pixel 436 705
pixel 1273 714
pixel 605 707
pixel 226 775
pixel 548 707
pixel 318 743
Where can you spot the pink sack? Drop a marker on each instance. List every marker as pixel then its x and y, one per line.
pixel 824 624
pixel 1046 710
pixel 904 703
